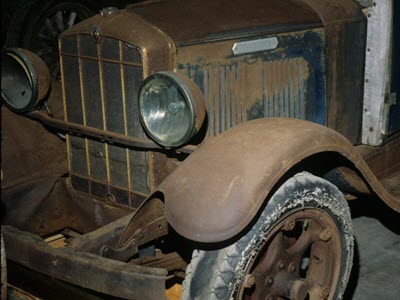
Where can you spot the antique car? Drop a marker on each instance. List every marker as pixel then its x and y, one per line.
pixel 209 143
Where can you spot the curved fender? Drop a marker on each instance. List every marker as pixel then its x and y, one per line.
pixel 218 189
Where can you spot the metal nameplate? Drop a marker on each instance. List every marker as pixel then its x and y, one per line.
pixel 255 45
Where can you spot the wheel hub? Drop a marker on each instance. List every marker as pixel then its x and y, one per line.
pixel 299 259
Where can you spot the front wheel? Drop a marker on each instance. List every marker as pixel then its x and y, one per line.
pixel 301 247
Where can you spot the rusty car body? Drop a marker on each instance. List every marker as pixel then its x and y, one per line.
pixel 279 98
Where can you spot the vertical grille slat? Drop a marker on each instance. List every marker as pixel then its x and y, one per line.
pixel 93 110
pixel 74 112
pixel 114 108
pixel 104 79
pixel 106 156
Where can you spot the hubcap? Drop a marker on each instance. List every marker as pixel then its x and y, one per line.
pixel 299 259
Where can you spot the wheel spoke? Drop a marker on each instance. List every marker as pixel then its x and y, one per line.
pixel 51 29
pixel 271 256
pixel 276 246
pixel 59 20
pixel 308 235
pixel 71 19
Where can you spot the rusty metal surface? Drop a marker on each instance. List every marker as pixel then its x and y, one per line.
pixel 107 106
pixel 111 107
pixel 84 269
pixel 349 181
pixel 146 224
pixel 156 47
pixel 392 184
pixel 199 20
pixel 121 239
pixel 42 73
pixel 337 10
pixel 345 33
pixel 277 270
pixel 284 82
pixel 382 160
pixel 164 164
pixel 35 72
pixel 198 102
pixel 104 161
pixel 249 159
pixel 93 241
pixel 101 135
pixel 43 78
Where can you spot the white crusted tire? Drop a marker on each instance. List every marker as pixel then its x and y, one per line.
pixel 301 247
pixel 3 269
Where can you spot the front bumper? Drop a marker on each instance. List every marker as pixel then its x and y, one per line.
pixel 84 269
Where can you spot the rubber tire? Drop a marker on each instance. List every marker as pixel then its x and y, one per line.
pixel 3 264
pixel 218 274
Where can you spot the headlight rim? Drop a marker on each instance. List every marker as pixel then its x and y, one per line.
pixel 193 99
pixel 24 62
pixel 37 73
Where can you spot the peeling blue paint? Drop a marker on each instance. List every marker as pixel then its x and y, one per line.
pixel 308 102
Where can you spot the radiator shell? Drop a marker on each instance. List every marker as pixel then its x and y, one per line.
pixel 101 82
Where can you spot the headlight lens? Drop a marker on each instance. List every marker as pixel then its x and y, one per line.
pixel 25 79
pixel 171 108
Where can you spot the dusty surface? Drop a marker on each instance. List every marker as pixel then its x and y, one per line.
pixel 379 261
pixel 376 271
pixel 27 148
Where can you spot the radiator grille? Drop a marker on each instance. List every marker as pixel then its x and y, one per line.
pixel 101 82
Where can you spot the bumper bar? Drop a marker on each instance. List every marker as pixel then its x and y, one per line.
pixel 87 270
pixel 102 135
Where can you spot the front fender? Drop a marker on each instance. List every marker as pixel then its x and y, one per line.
pixel 217 191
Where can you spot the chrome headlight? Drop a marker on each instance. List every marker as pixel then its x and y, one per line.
pixel 25 79
pixel 171 108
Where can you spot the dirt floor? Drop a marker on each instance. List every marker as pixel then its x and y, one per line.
pixel 376 270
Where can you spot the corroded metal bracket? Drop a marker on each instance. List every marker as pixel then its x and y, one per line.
pixel 84 269
pixel 120 240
